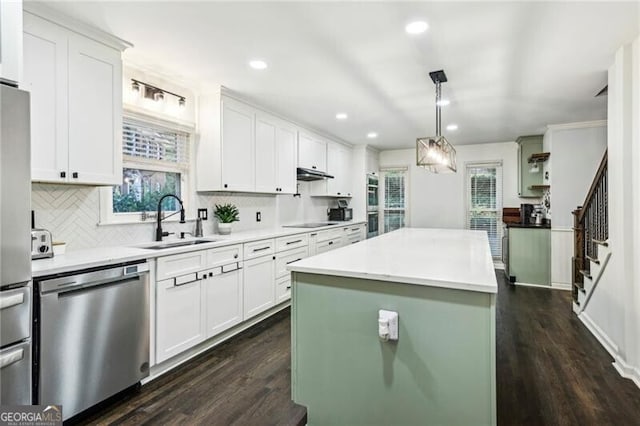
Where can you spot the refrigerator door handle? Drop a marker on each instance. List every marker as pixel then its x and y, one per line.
pixel 13 300
pixel 11 357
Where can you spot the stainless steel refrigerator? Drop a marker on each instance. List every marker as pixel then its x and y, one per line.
pixel 15 247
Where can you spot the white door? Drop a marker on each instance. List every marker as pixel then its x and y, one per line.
pixel 266 177
pixel 45 74
pixel 95 112
pixel 179 318
pixel 286 155
pixel 259 285
pixel 238 147
pixel 223 295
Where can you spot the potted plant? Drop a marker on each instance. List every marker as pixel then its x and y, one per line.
pixel 226 215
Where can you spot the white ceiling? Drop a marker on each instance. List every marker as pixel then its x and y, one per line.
pixel 513 67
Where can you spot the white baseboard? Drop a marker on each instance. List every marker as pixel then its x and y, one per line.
pixel 627 371
pixel 532 285
pixel 561 286
pixel 599 334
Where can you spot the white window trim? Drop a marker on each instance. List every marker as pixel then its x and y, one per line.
pixel 407 199
pixel 108 217
pixel 488 163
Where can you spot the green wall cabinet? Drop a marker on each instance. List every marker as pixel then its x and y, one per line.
pixel 528 145
pixel 530 255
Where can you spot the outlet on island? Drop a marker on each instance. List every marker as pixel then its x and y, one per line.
pixel 258 216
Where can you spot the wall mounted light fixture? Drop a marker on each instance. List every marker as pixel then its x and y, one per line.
pixel 152 92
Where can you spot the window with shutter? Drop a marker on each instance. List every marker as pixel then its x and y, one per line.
pixel 155 160
pixel 395 199
pixel 484 202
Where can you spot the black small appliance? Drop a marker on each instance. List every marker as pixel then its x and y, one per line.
pixel 525 213
pixel 342 213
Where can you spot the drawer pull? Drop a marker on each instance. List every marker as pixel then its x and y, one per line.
pixel 13 300
pixel 355 229
pixel 11 358
pixel 288 287
pixel 330 242
pixel 261 248
pixel 294 242
pixel 291 261
pixel 312 235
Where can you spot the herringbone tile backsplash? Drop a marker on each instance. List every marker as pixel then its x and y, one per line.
pixel 72 214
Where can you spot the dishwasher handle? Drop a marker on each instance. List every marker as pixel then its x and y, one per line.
pixel 93 278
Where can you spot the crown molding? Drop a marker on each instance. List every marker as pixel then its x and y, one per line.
pixel 578 125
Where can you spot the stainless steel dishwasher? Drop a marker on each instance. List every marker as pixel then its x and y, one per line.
pixel 92 335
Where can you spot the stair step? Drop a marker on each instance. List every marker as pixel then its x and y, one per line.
pixel 596 261
pixel 585 273
pixel 601 242
pixel 580 287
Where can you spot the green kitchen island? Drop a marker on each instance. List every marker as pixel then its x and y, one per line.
pixel 442 368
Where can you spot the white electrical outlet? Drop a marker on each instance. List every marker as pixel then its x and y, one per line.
pixel 387 325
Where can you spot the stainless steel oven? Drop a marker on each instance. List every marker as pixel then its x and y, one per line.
pixel 92 335
pixel 372 205
pixel 372 224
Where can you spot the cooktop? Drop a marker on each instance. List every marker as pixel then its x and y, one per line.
pixel 311 225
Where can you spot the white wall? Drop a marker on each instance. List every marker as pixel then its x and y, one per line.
pixel 438 200
pixel 613 311
pixel 576 151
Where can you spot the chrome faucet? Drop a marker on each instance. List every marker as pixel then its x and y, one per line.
pixel 159 233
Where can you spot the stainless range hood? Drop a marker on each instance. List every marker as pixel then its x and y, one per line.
pixel 312 174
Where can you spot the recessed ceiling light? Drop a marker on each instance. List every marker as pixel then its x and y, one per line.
pixel 257 64
pixel 342 116
pixel 372 135
pixel 416 27
pixel 443 102
pixel 452 127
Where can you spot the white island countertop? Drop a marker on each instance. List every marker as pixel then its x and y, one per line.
pixel 447 258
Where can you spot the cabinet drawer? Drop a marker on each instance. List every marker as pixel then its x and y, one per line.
pixel 259 248
pixel 180 264
pixel 283 289
pixel 291 242
pixel 224 255
pixel 329 234
pixel 284 258
pixel 327 245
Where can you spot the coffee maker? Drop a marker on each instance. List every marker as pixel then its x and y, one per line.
pixel 525 213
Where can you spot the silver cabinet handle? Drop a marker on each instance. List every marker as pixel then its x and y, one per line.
pixel 13 300
pixel 261 248
pixel 11 357
pixel 293 242
pixel 291 261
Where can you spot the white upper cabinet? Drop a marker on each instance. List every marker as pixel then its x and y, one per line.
pixel 339 166
pixel 312 152
pixel 372 162
pixel 76 105
pixel 10 40
pixel 244 149
pixel 238 147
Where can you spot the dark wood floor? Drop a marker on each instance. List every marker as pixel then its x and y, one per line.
pixel 551 371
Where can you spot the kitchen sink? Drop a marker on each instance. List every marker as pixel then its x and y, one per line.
pixel 179 244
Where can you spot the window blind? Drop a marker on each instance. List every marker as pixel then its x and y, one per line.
pixel 153 142
pixel 484 202
pixel 394 199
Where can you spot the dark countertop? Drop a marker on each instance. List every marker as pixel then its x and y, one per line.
pixel 520 225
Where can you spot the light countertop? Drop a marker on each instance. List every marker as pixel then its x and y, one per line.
pixel 457 259
pixel 74 260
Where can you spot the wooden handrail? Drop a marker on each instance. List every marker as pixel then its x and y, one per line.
pixel 601 170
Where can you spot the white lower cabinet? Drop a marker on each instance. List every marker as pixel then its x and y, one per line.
pixel 178 317
pixel 259 285
pixel 222 292
pixel 283 289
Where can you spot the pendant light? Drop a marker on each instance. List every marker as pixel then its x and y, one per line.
pixel 435 153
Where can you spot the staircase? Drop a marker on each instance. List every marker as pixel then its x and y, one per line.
pixel 591 251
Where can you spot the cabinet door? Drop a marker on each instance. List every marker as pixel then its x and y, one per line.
pixel 259 285
pixel 266 176
pixel 179 318
pixel 95 112
pixel 45 77
pixel 338 165
pixel 238 147
pixel 312 152
pixel 223 299
pixel 10 40
pixel 286 156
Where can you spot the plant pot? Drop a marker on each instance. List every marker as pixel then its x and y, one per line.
pixel 224 228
